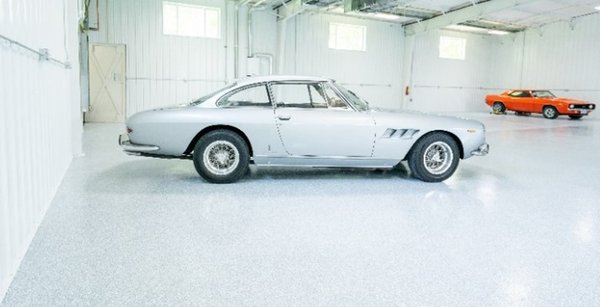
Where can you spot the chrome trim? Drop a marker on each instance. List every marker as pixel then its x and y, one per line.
pixel 482 150
pixel 128 146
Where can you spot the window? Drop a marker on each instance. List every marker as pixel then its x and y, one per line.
pixel 307 95
pixel 452 47
pixel 191 20
pixel 251 96
pixel 520 94
pixel 347 37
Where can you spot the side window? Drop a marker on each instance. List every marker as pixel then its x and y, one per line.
pixel 520 94
pixel 291 95
pixel 317 96
pixel 251 96
pixel 334 101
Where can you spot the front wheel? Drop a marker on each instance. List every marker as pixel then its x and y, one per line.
pixel 221 156
pixel 575 116
pixel 550 112
pixel 434 157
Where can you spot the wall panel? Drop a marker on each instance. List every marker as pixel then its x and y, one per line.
pixel 162 69
pixel 374 74
pixel 38 119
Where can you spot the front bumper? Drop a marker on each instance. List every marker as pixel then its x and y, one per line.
pixel 482 150
pixel 130 147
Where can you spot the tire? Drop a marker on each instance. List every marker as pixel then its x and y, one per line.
pixel 421 160
pixel 550 112
pixel 575 116
pixel 498 107
pixel 221 156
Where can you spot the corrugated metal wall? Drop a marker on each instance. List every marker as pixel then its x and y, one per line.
pixel 558 57
pixel 162 69
pixel 449 85
pixel 374 74
pixel 37 108
pixel 562 58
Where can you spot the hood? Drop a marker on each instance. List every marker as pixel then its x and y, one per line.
pixel 569 100
pixel 416 119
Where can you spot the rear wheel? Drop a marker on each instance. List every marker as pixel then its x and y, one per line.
pixel 498 107
pixel 575 116
pixel 550 112
pixel 434 157
pixel 221 156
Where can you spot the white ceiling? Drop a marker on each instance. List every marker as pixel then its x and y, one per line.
pixel 532 14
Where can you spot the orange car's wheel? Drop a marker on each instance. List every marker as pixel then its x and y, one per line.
pixel 498 107
pixel 550 112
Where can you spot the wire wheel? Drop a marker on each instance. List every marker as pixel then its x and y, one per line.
pixel 221 157
pixel 438 158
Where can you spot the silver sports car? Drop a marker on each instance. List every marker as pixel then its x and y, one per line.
pixel 300 121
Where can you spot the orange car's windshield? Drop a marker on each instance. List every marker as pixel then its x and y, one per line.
pixel 543 94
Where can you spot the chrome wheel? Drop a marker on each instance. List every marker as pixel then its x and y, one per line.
pixel 221 157
pixel 550 112
pixel 438 157
pixel 498 107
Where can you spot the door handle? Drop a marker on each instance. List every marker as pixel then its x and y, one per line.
pixel 284 117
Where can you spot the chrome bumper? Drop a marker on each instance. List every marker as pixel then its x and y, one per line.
pixel 126 144
pixel 482 150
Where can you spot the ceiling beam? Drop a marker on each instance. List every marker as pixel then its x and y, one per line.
pixel 473 12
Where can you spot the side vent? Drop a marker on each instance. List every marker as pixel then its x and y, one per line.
pixel 405 134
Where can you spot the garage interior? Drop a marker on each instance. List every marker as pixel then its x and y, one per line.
pixel 82 223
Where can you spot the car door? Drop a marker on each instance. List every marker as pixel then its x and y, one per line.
pixel 519 100
pixel 314 120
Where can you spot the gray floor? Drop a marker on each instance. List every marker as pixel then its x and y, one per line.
pixel 518 227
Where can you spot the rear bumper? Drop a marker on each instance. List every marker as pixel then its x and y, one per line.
pixel 482 150
pixel 130 147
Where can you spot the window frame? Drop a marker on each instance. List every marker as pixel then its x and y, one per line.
pixel 243 88
pixel 462 54
pixel 347 25
pixel 205 8
pixel 349 106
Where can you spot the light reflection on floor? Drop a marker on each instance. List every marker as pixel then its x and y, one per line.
pixel 517 227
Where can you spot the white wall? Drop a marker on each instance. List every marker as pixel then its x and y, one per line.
pixel 39 120
pixel 557 57
pixel 449 85
pixel 163 69
pixel 374 74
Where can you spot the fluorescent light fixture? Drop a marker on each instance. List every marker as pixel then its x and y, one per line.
pixel 497 32
pixel 466 28
pixel 386 16
pixel 598 7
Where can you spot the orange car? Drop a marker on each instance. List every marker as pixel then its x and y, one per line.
pixel 538 101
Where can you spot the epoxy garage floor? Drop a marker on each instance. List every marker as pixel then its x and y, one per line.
pixel 520 226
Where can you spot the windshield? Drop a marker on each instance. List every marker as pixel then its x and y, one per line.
pixel 543 94
pixel 206 97
pixel 358 103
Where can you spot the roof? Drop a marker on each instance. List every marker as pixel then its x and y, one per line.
pixel 257 79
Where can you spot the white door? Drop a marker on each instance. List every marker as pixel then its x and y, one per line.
pixel 107 83
pixel 314 121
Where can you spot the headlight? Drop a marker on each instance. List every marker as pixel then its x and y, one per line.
pixel 571 106
pixel 592 106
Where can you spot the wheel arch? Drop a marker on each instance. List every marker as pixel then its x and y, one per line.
pixel 450 134
pixel 208 129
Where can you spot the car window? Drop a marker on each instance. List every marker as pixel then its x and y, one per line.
pixel 543 94
pixel 317 96
pixel 520 94
pixel 291 95
pixel 255 95
pixel 334 101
